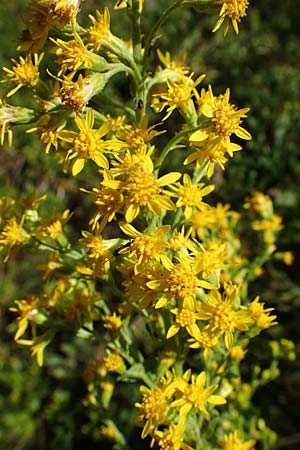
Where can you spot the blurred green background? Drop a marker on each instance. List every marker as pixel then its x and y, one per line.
pixel 41 409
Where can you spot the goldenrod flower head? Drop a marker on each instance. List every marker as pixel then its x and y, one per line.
pixel 38 345
pixel 87 143
pixel 214 139
pixel 10 115
pixel 135 284
pixel 207 340
pixel 179 240
pixel 153 408
pixel 97 247
pixel 273 224
pixel 141 188
pixel 76 94
pixel 174 69
pixel 237 353
pixel 61 12
pixel 42 15
pixel 178 95
pixel 225 117
pixel 27 310
pixel 194 394
pixel 210 261
pixel 47 128
pixel 260 315
pixel 113 361
pixel 215 218
pixel 54 227
pixel 24 72
pixel 72 55
pixel 259 203
pixel 113 323
pixel 288 258
pixel 109 202
pixel 137 138
pixel 13 234
pixel 145 248
pixel 179 282
pixel 190 195
pixel 219 310
pixel 232 441
pixel 185 317
pixel 231 11
pixel 99 30
pixel 170 439
pixel 100 254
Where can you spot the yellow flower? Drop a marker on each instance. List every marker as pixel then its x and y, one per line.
pixel 231 11
pixel 27 309
pixel 190 195
pixel 13 234
pixel 174 70
pixel 47 128
pixel 38 345
pixel 207 340
pixel 137 138
pixel 54 227
pixel 217 219
pixel 109 202
pixel 87 143
pixel 260 203
pixel 113 323
pixel 153 408
pixel 10 115
pixel 135 284
pixel 72 55
pixel 185 317
pixel 214 139
pixel 25 72
pixel 210 261
pixel 42 15
pixel 113 361
pixel 178 282
pixel 145 248
pixel 170 439
pixel 260 315
pixel 232 441
pixel 124 4
pixel 223 318
pixel 99 32
pixel 237 353
pixel 178 96
pixel 195 395
pixel 99 254
pixel 287 258
pixel 141 188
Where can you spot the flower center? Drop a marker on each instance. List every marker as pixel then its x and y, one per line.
pixel 142 187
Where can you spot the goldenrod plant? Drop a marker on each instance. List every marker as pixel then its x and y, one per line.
pixel 159 277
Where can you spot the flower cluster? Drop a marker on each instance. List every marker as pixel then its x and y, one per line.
pixel 159 274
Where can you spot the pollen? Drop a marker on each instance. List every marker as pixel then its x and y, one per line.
pixel 13 234
pixel 142 187
pixel 113 361
pixel 153 405
pixel 87 144
pixel 226 120
pixel 182 281
pixel 224 317
pixel 185 318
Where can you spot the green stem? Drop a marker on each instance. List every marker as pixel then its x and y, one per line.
pixel 172 145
